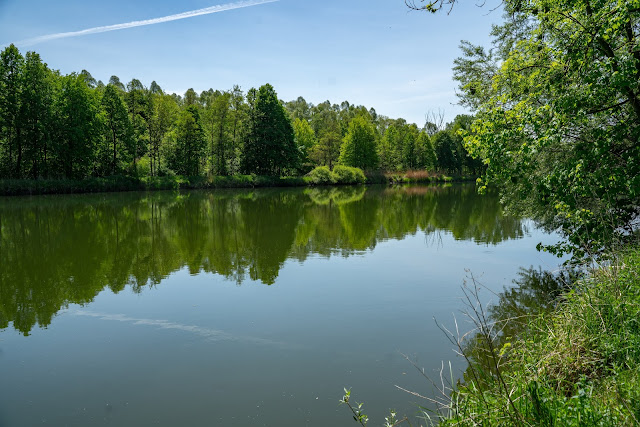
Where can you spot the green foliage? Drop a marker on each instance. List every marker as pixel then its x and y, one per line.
pixel 348 175
pixel 118 147
pixel 213 133
pixel 358 415
pixel 446 153
pixel 189 143
pixel 11 69
pixel 305 138
pixel 321 176
pixel 218 125
pixel 359 146
pixel 426 152
pixel 363 419
pixel 326 124
pixel 558 117
pixel 137 100
pixel 571 361
pixel 341 174
pixel 35 117
pixel 270 146
pixel 20 187
pixel 143 167
pixel 78 127
pixel 163 112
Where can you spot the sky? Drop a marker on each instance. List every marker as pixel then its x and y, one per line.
pixel 374 53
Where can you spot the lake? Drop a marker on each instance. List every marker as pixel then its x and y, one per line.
pixel 241 307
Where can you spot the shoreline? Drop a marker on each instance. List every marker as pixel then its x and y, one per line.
pixel 35 187
pixel 577 361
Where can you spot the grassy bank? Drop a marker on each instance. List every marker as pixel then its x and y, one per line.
pixel 123 183
pixel 21 187
pixel 576 365
pixel 424 177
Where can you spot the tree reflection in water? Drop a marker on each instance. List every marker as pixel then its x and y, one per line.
pixel 66 249
pixel 535 292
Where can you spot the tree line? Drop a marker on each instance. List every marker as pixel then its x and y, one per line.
pixel 73 126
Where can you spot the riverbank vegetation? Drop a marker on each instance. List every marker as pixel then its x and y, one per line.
pixel 320 176
pixel 566 356
pixel 556 102
pixel 71 133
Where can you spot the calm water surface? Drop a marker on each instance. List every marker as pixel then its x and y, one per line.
pixel 243 307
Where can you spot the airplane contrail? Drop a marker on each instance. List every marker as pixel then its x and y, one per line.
pixel 183 15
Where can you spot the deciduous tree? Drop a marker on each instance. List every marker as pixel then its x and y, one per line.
pixel 359 146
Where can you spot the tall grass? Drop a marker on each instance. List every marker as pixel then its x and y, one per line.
pixel 424 176
pixel 578 365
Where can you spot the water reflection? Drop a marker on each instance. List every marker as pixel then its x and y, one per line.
pixel 535 292
pixel 66 249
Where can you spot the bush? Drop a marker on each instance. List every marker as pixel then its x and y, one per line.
pixel 143 167
pixel 348 175
pixel 321 176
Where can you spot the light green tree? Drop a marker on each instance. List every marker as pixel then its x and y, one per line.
pixel 557 105
pixel 305 138
pixel 359 146
pixel 163 113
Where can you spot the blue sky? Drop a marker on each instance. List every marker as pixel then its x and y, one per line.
pixel 374 52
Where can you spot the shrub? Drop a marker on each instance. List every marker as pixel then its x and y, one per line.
pixel 143 167
pixel 321 176
pixel 348 175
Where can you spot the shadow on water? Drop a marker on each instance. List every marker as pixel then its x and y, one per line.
pixel 57 250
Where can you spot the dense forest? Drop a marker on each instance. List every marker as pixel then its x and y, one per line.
pixel 74 127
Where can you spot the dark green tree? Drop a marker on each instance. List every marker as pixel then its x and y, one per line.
pixel 11 70
pixel 217 118
pixel 427 153
pixel 36 116
pixel 115 81
pixel 118 133
pixel 190 142
pixel 77 127
pixel 136 100
pixel 88 79
pixel 270 147
pixel 238 127
pixel 444 144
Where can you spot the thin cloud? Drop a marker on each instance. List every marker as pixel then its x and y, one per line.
pixel 124 26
